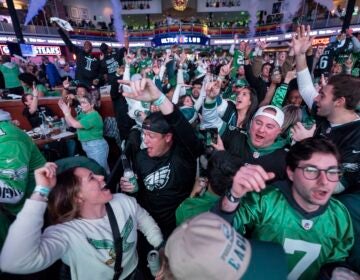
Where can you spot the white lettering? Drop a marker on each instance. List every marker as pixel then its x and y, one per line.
pixel 47 50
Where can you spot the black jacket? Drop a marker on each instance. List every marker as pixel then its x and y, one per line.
pixel 347 139
pixel 235 142
pixel 166 181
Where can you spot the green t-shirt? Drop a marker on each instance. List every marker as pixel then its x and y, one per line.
pixel 92 124
pixel 11 73
pixel 39 87
pixel 309 241
pixel 193 206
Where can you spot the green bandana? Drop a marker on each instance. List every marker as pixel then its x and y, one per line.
pixel 259 152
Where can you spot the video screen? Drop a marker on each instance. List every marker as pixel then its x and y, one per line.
pixel 27 50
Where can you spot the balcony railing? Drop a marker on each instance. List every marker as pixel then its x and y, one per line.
pixel 146 34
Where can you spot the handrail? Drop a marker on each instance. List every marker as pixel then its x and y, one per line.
pixel 214 32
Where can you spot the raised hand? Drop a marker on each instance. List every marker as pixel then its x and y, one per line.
pixel 299 132
pixel 248 50
pixel 46 175
pixel 289 76
pixel 263 45
pixel 302 40
pixel 66 82
pixel 142 90
pixel 213 89
pixel 64 107
pixel 226 69
pixel 250 178
pixel 35 92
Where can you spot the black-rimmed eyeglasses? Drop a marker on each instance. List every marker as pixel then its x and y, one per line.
pixel 333 174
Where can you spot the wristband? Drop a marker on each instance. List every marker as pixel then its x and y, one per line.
pixel 160 100
pixel 67 114
pixel 232 198
pixel 35 96
pixel 44 191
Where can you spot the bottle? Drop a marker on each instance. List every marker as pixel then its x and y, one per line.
pixel 63 125
pixel 153 262
pixel 129 173
pixel 44 126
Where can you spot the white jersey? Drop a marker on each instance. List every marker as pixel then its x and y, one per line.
pixel 86 245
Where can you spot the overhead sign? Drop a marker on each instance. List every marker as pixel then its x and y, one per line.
pixel 321 41
pixel 47 50
pixel 40 50
pixel 183 39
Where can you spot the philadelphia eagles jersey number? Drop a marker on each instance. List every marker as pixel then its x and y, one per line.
pixel 311 250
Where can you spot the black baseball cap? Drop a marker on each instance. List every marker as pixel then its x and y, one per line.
pixel 156 122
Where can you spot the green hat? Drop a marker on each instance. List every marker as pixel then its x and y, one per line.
pixel 241 83
pixel 79 161
pixel 145 63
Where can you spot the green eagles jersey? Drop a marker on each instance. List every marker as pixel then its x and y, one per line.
pixel 193 206
pixel 238 60
pixel 309 241
pixel 92 126
pixel 19 157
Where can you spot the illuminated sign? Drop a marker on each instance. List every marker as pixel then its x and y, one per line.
pixel 185 39
pixel 40 50
pixel 321 41
pixel 47 50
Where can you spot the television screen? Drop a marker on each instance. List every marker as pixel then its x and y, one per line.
pixel 27 50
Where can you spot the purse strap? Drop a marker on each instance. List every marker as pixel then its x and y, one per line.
pixel 117 241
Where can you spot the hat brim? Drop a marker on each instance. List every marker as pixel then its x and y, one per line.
pixel 268 261
pixel 79 161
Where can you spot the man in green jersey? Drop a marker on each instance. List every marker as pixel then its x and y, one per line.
pixel 314 228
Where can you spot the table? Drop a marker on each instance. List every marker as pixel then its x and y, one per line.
pixel 54 138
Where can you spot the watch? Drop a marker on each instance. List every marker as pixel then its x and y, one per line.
pixel 232 198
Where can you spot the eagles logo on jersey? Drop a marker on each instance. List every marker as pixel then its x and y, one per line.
pixel 158 179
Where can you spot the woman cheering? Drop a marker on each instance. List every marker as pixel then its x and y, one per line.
pixel 89 125
pixel 81 235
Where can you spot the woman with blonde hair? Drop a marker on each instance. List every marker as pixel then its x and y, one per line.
pixel 89 125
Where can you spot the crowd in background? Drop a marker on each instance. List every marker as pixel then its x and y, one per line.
pixel 269 142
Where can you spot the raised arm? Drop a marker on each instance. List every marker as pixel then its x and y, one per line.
pixel 26 249
pixel 146 90
pixel 300 44
pixel 67 41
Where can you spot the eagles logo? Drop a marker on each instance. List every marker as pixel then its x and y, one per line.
pixel 158 179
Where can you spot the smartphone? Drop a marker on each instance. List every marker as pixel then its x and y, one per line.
pixel 211 135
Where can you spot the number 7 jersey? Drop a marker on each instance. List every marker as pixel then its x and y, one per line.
pixel 310 240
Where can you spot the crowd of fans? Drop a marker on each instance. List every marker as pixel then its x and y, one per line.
pixel 269 144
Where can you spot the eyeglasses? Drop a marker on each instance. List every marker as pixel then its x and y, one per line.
pixel 333 174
